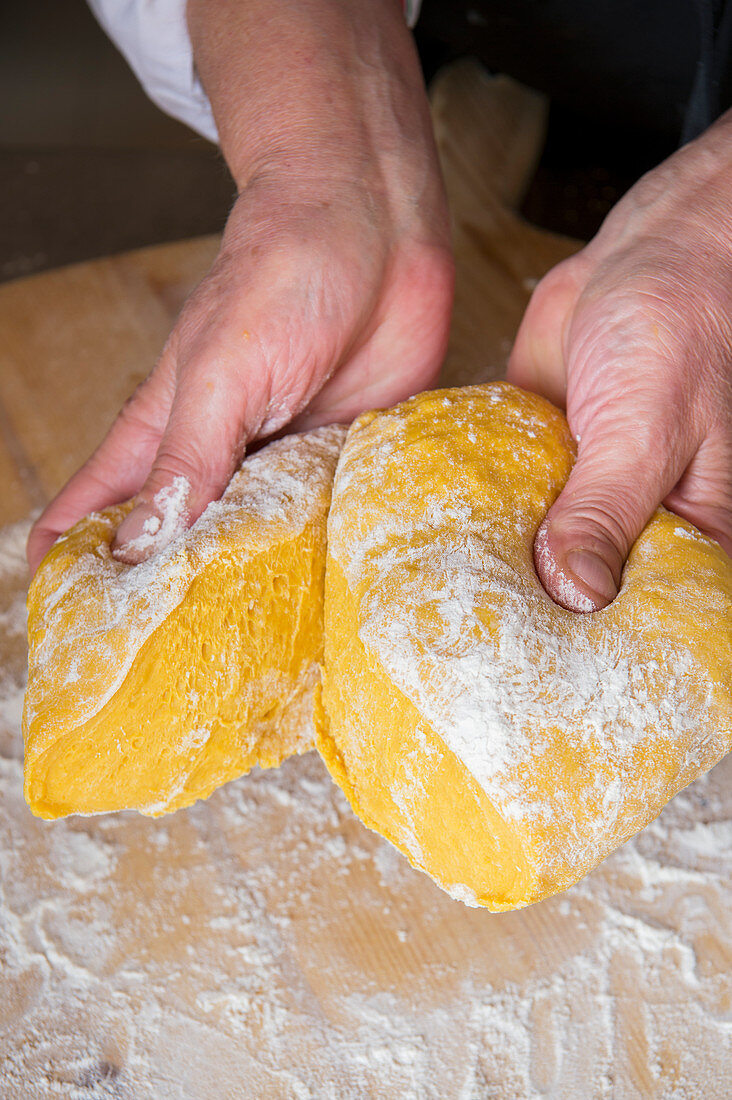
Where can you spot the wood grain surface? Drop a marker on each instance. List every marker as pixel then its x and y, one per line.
pixel 264 944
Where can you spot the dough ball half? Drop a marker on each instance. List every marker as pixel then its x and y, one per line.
pixel 151 685
pixel 504 744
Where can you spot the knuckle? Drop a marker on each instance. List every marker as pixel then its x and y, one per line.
pixel 186 458
pixel 142 410
pixel 563 279
pixel 608 525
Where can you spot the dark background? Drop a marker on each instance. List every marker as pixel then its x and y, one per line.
pixel 89 166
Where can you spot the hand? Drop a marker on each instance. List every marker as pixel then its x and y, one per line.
pixel 331 292
pixel 634 336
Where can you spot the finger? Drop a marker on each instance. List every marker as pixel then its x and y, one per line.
pixel 115 471
pixel 704 493
pixel 627 464
pixel 202 444
pixel 537 360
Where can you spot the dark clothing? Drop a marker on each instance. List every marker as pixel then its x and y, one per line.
pixel 661 66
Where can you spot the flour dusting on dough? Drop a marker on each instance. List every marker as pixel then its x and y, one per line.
pixel 125 604
pixel 264 937
pixel 450 606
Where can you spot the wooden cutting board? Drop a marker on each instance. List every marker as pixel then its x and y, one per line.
pixel 264 944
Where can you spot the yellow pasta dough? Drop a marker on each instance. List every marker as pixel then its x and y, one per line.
pixel 506 745
pixel 151 685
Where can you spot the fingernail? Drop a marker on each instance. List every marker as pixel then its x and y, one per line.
pixel 136 535
pixel 594 575
pixel 149 528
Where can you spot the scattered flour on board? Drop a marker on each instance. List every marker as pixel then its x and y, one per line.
pixel 264 944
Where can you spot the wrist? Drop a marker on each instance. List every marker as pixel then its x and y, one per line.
pixel 321 88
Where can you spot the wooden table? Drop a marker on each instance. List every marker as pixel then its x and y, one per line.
pixel 264 943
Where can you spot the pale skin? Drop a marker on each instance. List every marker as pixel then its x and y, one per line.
pixel 332 294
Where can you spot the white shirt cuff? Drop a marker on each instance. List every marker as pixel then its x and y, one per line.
pixel 153 36
pixel 411 11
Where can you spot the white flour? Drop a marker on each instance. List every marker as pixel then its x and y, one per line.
pixel 263 944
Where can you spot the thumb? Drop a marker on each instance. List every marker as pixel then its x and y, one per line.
pixel 201 446
pixel 621 476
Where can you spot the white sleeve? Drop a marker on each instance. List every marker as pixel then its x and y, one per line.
pixel 411 11
pixel 153 36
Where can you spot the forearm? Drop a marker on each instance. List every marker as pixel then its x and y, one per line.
pixel 309 87
pixel 332 289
